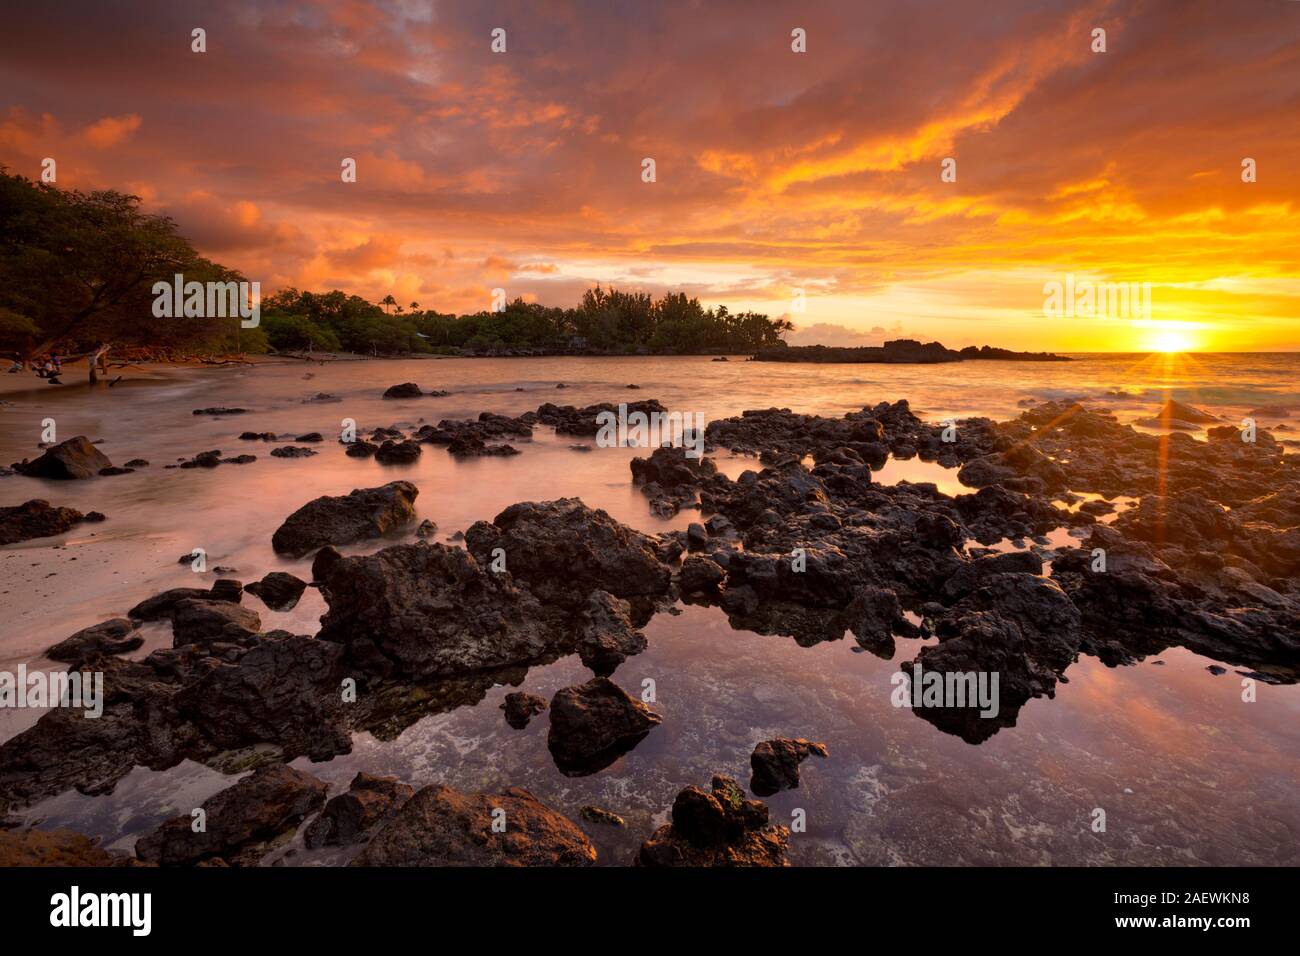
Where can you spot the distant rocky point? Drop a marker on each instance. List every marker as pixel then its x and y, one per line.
pixel 898 352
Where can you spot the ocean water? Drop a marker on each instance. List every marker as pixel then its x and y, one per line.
pixel 1186 771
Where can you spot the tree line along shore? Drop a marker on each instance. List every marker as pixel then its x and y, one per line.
pixel 77 271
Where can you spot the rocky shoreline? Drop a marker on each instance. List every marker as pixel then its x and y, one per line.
pixel 899 352
pixel 807 546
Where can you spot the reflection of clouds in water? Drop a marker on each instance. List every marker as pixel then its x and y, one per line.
pixel 1193 755
pixel 918 472
pixel 1200 762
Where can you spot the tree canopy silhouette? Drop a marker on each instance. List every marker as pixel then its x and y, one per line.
pixel 77 270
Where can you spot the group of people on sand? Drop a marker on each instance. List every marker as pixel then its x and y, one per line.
pixel 49 368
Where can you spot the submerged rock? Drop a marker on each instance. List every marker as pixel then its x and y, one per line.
pixel 594 724
pixel 292 451
pixel 360 514
pixel 242 822
pixel 601 816
pixel 440 826
pixel 775 763
pixel 347 817
pixel 520 708
pixel 211 459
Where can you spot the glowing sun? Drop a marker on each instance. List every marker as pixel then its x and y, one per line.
pixel 1170 340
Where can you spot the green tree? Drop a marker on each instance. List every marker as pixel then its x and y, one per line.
pixel 81 267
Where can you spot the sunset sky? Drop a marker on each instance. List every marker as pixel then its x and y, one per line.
pixel 775 170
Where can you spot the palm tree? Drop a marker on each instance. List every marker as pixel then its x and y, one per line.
pixel 415 307
pixel 386 301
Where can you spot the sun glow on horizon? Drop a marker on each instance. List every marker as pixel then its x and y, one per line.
pixel 815 194
pixel 1171 340
pixel 1170 335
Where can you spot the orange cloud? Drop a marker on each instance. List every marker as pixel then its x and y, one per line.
pixel 774 169
pixel 111 130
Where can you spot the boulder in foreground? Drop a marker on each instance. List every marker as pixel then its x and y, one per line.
pixel 562 551
pixel 440 826
pixel 428 610
pixel 243 822
pixel 362 513
pixel 717 828
pixel 51 848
